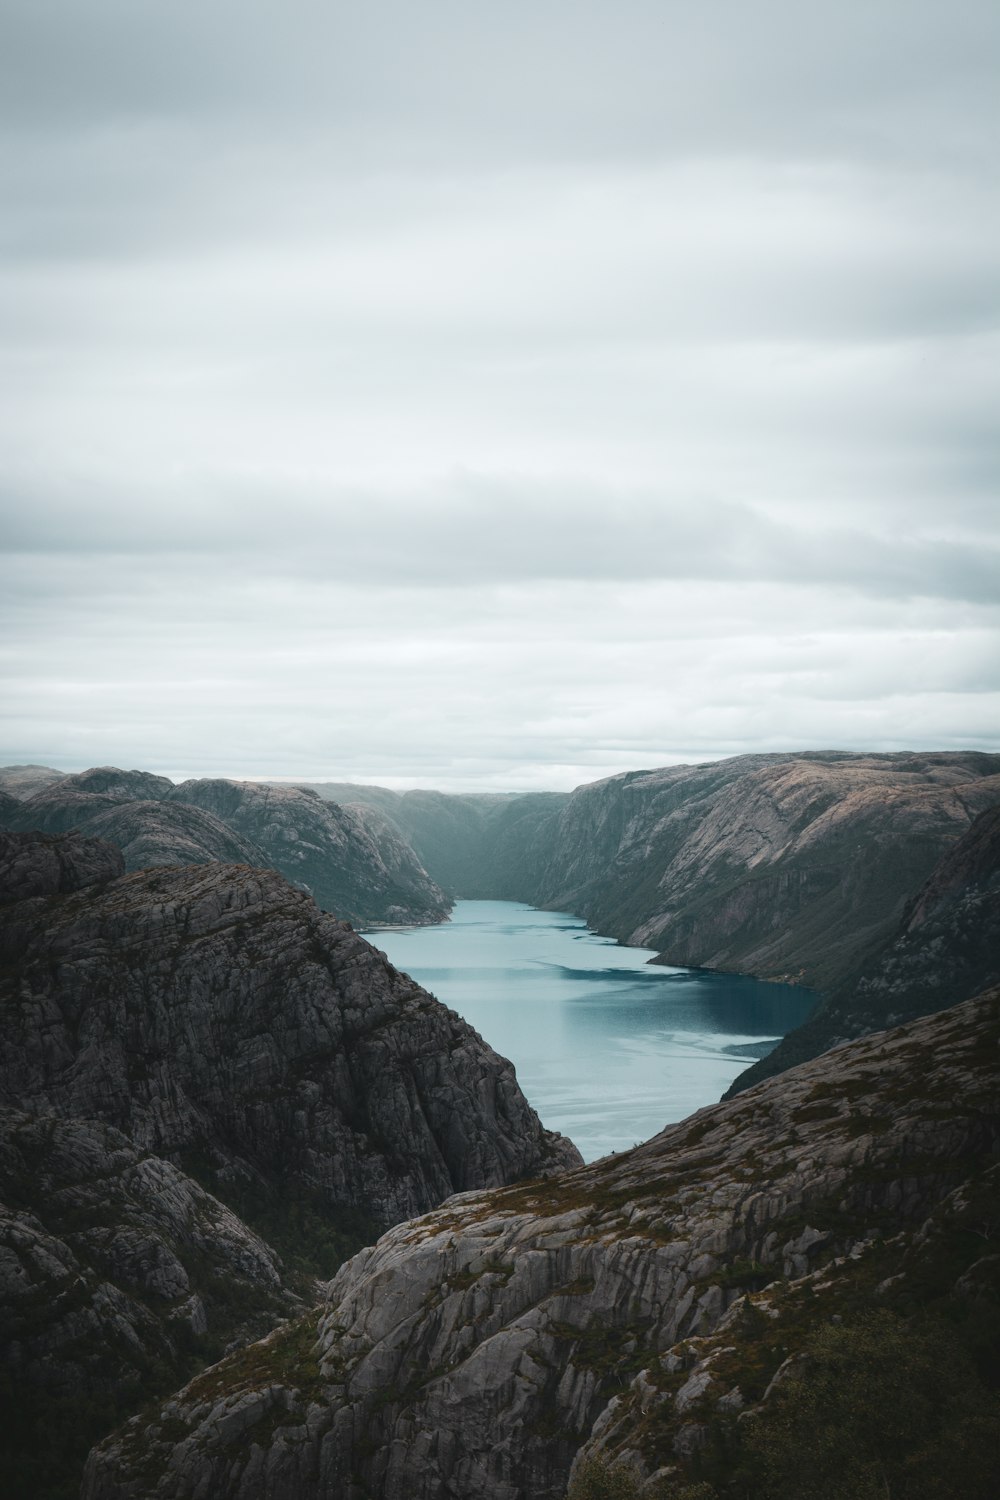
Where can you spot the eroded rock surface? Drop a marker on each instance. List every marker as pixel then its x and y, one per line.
pixel 945 950
pixel 351 860
pixel 215 1011
pixel 472 1354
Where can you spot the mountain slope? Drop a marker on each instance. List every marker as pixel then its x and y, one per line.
pixel 632 1308
pixel 945 950
pixel 214 1014
pixel 786 867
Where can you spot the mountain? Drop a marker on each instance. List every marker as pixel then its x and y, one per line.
pixel 786 867
pixel 790 867
pixel 945 949
pixel 215 1015
pixel 476 845
pixel 790 1293
pixel 188 1051
pixel 352 861
pixel 22 781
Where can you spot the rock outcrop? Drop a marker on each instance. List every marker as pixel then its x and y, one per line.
pixel 619 1310
pixel 214 1013
pixel 945 950
pixel 34 864
pixel 119 1275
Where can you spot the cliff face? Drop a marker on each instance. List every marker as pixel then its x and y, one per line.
pixel 787 867
pixel 628 1310
pixel 945 949
pixel 214 1011
pixel 352 861
pixel 353 865
pixel 477 846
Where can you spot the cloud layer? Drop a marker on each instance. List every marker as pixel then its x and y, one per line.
pixel 478 396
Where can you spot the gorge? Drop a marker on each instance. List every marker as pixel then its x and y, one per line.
pixel 215 1093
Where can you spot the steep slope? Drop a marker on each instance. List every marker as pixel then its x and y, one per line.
pixel 352 861
pixel 633 1308
pixel 119 1276
pixel 476 845
pixel 215 1015
pixel 786 867
pixel 946 949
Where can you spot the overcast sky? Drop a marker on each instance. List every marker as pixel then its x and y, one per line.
pixel 477 395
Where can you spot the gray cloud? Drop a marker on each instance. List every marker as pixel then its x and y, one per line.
pixel 496 395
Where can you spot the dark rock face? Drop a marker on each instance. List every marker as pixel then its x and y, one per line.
pixel 786 867
pixel 945 950
pixel 10 809
pixel 171 833
pixel 33 864
pixel 214 1010
pixel 618 1310
pixel 353 864
pixel 117 1274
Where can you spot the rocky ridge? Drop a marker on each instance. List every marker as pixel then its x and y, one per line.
pixel 613 1313
pixel 352 861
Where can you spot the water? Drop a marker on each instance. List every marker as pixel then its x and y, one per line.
pixel 607 1048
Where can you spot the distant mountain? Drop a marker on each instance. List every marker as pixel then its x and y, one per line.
pixel 352 860
pixel 21 781
pixel 476 845
pixel 786 866
pixel 779 1296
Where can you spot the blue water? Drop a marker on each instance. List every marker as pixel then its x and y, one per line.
pixel 607 1048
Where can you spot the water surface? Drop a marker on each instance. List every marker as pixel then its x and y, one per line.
pixel 607 1047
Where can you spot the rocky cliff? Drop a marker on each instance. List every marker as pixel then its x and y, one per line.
pixel 783 866
pixel 353 861
pixel 786 867
pixel 173 1031
pixel 476 845
pixel 945 949
pixel 118 1276
pixel 213 1013
pixel 642 1318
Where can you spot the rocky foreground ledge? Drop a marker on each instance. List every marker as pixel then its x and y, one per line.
pixel 633 1315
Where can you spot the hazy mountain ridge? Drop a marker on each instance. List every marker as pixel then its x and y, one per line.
pixel 619 1310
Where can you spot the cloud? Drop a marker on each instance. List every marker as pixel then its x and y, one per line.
pixel 490 394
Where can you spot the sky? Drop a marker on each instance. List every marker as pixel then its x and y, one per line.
pixel 496 396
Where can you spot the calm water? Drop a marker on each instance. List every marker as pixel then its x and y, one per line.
pixel 607 1048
